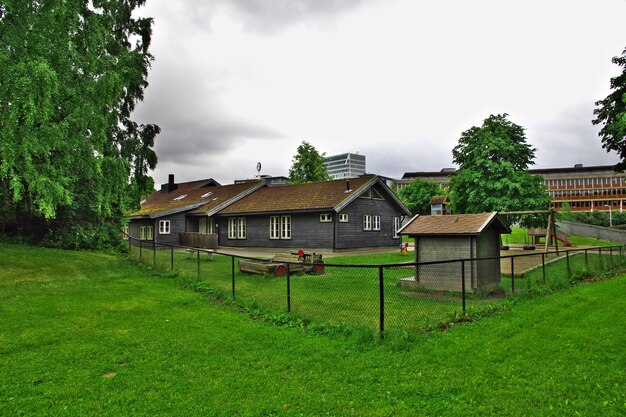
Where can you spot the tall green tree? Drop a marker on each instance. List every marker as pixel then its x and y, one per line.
pixel 416 196
pixel 493 173
pixel 307 165
pixel 72 161
pixel 611 114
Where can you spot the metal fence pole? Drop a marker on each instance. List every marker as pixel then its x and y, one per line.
pixel 129 246
pixel 586 261
pixel 140 251
pixel 543 266
pixel 154 254
pixel 569 270
pixel 600 265
pixel 288 290
pixel 232 273
pixel 611 256
pixel 172 258
pixel 512 275
pixel 198 262
pixel 381 292
pixel 463 285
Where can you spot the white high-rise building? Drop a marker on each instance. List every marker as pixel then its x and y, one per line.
pixel 345 165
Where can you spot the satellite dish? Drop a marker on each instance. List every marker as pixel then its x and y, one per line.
pixel 258 167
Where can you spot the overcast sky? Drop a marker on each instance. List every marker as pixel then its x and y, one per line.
pixel 236 82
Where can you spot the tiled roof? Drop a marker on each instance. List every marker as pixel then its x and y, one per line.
pixel 197 198
pixel 439 199
pixel 454 224
pixel 321 195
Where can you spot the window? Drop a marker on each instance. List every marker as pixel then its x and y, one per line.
pixel 125 232
pixel 206 195
pixel 180 197
pixel 326 218
pixel 396 226
pixel 274 227
pixel 343 218
pixel 241 228
pixel 285 227
pixel 280 227
pixel 367 222
pixel 366 194
pixel 164 227
pixel 206 226
pixel 376 195
pixel 145 233
pixel 375 222
pixel 232 228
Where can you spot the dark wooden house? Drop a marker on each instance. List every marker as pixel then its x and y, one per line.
pixel 457 236
pixel 361 212
pixel 181 214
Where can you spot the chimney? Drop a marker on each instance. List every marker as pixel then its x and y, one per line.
pixel 170 186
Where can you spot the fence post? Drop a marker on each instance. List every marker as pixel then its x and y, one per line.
pixel 232 273
pixel 463 286
pixel 513 275
pixel 288 289
pixel 600 264
pixel 543 267
pixel 586 261
pixel 611 255
pixel 381 291
pixel 140 251
pixel 154 254
pixel 129 246
pixel 569 270
pixel 198 257
pixel 172 258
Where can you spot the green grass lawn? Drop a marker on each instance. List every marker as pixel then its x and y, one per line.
pixel 520 236
pixel 94 335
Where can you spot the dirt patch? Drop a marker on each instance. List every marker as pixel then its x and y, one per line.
pixel 109 374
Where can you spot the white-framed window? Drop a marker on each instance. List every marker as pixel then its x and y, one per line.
pixel 206 225
pixel 125 232
pixel 241 227
pixel 180 197
pixel 376 195
pixel 285 227
pixel 397 224
pixel 343 217
pixel 145 233
pixel 232 228
pixel 375 222
pixel 366 194
pixel 326 218
pixel 164 227
pixel 274 227
pixel 367 222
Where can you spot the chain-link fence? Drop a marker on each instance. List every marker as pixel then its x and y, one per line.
pixel 400 297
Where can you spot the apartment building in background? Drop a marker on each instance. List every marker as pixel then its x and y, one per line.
pixel 583 188
pixel 345 165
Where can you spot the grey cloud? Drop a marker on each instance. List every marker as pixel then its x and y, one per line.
pixel 268 16
pixel 570 139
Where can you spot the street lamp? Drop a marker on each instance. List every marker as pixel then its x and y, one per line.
pixel 610 215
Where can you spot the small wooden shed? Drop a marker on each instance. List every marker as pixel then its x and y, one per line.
pixel 458 236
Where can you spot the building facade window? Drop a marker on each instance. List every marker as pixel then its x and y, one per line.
pixel 125 232
pixel 146 233
pixel 274 227
pixel 206 226
pixel 397 224
pixel 241 227
pixel 164 227
pixel 326 218
pixel 375 222
pixel 367 222
pixel 285 227
pixel 343 218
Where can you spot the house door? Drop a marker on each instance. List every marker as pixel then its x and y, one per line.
pixel 206 226
pixel 202 225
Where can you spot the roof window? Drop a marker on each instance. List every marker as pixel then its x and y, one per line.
pixel 206 195
pixel 180 197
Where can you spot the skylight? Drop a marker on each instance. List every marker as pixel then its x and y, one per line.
pixel 206 195
pixel 180 197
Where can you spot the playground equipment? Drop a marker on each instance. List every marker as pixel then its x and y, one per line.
pixel 551 234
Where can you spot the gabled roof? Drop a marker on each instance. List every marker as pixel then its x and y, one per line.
pixel 313 196
pixel 454 224
pixel 200 196
pixel 439 199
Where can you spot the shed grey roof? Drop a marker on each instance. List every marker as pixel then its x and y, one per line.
pixel 454 224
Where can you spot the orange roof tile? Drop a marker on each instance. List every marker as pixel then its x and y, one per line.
pixel 454 224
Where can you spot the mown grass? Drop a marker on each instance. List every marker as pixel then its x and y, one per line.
pixel 520 236
pixel 93 335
